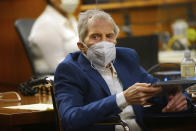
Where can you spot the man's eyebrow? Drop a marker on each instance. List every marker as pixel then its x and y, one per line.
pixel 112 33
pixel 95 34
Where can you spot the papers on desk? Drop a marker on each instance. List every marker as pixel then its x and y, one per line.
pixel 39 107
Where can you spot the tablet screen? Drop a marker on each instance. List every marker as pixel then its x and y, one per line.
pixel 174 86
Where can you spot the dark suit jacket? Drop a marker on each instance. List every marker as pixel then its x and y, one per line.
pixel 83 97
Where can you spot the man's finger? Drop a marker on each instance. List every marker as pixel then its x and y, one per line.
pixel 142 84
pixel 183 108
pixel 176 100
pixel 168 109
pixel 181 105
pixel 149 90
pixel 164 109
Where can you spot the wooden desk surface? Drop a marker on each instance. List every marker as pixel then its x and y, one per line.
pixel 18 117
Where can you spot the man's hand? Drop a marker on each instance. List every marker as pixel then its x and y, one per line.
pixel 139 93
pixel 176 103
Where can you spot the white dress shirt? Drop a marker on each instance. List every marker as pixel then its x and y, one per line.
pixel 115 87
pixel 52 37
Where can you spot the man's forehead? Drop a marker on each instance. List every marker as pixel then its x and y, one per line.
pixel 97 26
pixel 98 21
pixel 98 31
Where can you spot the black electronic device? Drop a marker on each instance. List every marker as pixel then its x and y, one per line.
pixel 34 85
pixel 180 82
pixel 174 86
pixel 167 75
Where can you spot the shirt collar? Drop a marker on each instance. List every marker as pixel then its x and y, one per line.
pixel 114 70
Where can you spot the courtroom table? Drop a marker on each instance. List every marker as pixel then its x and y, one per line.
pixel 27 120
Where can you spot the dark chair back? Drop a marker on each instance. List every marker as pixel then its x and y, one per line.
pixel 58 119
pixel 23 28
pixel 146 47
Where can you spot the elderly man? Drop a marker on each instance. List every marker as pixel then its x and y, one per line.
pixel 102 80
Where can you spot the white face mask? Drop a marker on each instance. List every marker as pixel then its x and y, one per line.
pixel 101 54
pixel 69 6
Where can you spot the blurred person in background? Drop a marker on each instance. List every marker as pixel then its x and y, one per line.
pixel 54 34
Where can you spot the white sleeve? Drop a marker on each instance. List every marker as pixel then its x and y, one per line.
pixel 50 43
pixel 121 101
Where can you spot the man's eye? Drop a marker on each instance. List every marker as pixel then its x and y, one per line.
pixel 95 37
pixel 110 36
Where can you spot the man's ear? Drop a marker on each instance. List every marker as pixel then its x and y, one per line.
pixel 81 47
pixel 115 42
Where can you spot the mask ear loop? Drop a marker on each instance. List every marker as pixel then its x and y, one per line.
pixel 84 45
pixel 86 56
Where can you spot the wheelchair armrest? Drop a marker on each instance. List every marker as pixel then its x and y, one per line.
pixel 114 120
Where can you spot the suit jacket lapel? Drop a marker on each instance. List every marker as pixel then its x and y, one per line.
pixel 138 113
pixel 86 67
pixel 121 74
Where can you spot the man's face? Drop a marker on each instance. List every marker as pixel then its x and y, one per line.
pixel 98 31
